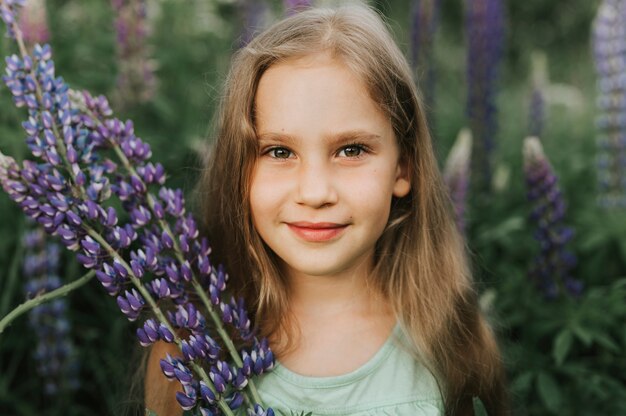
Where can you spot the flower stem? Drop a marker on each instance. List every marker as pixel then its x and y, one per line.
pixel 46 297
pixel 12 276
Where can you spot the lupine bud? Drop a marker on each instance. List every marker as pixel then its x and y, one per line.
pixel 552 268
pixel 187 400
pixel 206 393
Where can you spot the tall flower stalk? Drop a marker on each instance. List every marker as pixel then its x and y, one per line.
pixel 136 80
pixel 424 23
pixel 609 50
pixel 149 256
pixel 457 174
pixel 484 24
pixel 56 362
pixel 552 268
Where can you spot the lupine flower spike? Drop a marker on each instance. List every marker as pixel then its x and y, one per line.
pixel 86 162
pixel 136 81
pixel 537 108
pixel 553 266
pixel 57 365
pixel 457 174
pixel 484 22
pixel 609 50
pixel 424 23
pixel 295 6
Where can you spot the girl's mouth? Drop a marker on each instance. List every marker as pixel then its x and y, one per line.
pixel 317 232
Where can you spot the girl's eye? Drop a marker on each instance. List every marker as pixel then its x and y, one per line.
pixel 279 153
pixel 353 150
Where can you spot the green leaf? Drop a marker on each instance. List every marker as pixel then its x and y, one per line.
pixel 562 346
pixel 522 383
pixel 150 412
pixel 582 334
pixel 479 407
pixel 549 392
pixel 606 342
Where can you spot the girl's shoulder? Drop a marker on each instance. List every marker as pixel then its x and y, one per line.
pixel 392 382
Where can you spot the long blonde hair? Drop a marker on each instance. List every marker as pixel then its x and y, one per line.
pixel 421 264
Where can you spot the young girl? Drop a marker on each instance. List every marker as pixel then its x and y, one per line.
pixel 325 203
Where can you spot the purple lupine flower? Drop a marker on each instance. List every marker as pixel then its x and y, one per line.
pixel 484 22
pixel 259 411
pixel 251 14
pixel 424 23
pixel 136 80
pixel 33 22
pixel 609 49
pixel 70 190
pixel 552 268
pixel 457 174
pixel 57 365
pixel 294 6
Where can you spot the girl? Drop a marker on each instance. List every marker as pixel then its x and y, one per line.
pixel 324 201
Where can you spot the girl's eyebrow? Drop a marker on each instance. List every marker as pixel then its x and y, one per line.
pixel 342 137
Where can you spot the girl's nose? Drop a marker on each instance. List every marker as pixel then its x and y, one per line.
pixel 315 187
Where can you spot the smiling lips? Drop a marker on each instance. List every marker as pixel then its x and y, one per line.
pixel 318 231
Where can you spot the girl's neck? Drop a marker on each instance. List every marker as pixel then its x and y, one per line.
pixel 331 297
pixel 329 314
pixel 324 297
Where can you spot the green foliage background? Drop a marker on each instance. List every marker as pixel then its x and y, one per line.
pixel 563 357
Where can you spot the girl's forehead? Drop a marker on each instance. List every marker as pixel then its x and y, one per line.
pixel 316 95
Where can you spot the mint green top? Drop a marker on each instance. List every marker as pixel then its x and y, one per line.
pixel 392 382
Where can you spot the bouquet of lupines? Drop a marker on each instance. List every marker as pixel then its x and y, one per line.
pixel 457 174
pixel 552 268
pixel 484 22
pixel 609 48
pixel 56 364
pixel 88 164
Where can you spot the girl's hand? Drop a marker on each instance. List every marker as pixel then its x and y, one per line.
pixel 159 392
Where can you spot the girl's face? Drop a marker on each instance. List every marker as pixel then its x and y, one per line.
pixel 327 169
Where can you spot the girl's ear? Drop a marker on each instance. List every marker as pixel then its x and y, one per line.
pixel 402 185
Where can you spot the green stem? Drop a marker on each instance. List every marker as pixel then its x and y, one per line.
pixel 12 275
pixel 46 297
